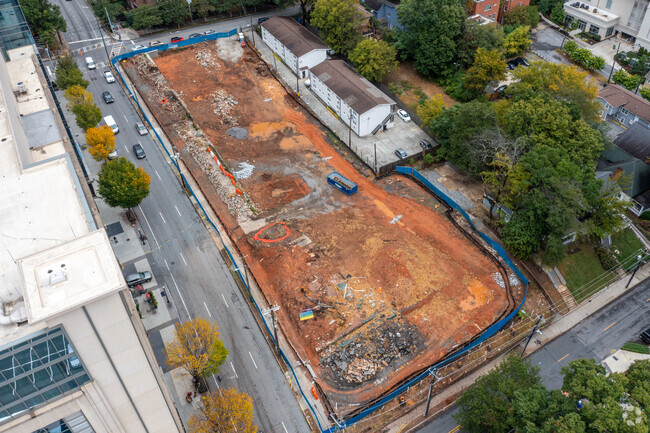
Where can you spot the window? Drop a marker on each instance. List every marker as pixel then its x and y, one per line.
pixel 594 30
pixel 34 371
pixel 609 32
pixel 609 4
pixel 582 24
pixel 488 7
pixel 624 111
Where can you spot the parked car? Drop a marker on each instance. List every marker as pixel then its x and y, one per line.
pixel 209 32
pixel 176 39
pixel 108 98
pixel 516 62
pixel 142 130
pixel 137 47
pixel 400 153
pixel 133 280
pixel 261 20
pixel 154 43
pixel 404 115
pixel 139 151
pixel 426 145
pixel 109 76
pixel 501 88
pixel 112 155
pixel 195 35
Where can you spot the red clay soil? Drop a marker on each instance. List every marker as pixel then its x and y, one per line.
pixel 373 266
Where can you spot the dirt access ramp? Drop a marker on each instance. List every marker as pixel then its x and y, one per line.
pixel 391 283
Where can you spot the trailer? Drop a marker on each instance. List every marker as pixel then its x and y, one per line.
pixel 341 183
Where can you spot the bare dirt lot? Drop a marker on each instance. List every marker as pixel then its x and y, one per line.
pixel 392 284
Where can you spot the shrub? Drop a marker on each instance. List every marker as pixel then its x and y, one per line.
pixel 645 215
pixel 607 259
pixel 636 347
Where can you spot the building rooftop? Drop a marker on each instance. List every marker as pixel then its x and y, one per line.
pixel 350 86
pixel 618 96
pixel 636 142
pixel 293 36
pixel 591 10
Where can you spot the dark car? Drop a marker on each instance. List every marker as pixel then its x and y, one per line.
pixel 195 35
pixel 426 145
pixel 645 336
pixel 138 278
pixel 108 98
pixel 516 62
pixel 139 151
pixel 261 20
pixel 501 89
pixel 176 39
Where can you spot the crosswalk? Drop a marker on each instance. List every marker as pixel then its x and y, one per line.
pixel 115 48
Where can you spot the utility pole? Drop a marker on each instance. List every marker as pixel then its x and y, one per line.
pixel 297 77
pixel 530 337
pixel 375 158
pixel 638 265
pixel 350 127
pixel 253 31
pixel 613 64
pixel 434 377
pixel 272 310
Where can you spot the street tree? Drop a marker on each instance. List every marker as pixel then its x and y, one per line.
pixel 488 66
pixel 476 36
pixel 76 94
pixel 629 81
pixel 87 115
pixel 225 411
pixel 45 18
pixel 68 73
pixel 431 109
pixel 196 347
pixel 145 17
pixel 558 15
pixel 106 8
pixel 338 21
pixel 374 59
pixel 123 185
pixel 173 11
pixel 202 8
pixel 429 34
pixel 522 16
pixel 517 42
pixel 100 141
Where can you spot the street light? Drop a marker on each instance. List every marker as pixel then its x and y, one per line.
pixel 638 265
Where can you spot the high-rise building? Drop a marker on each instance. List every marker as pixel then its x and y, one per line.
pixel 74 356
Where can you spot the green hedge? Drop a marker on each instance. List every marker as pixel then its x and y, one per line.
pixel 636 347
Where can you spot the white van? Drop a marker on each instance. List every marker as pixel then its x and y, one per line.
pixel 111 122
pixel 90 63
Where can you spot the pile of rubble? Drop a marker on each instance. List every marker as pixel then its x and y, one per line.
pixel 207 59
pixel 222 106
pixel 361 358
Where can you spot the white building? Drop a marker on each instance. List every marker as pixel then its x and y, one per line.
pixel 298 48
pixel 359 104
pixel 607 17
pixel 74 355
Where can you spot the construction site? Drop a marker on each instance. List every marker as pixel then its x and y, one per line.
pixel 372 287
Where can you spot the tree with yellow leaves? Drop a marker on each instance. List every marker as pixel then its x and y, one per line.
pixel 431 108
pixel 197 348
pixel 76 94
pixel 100 141
pixel 224 411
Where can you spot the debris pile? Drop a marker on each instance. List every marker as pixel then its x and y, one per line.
pixel 222 106
pixel 361 358
pixel 207 59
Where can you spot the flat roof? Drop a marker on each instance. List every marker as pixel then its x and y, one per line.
pixel 293 36
pixel 41 129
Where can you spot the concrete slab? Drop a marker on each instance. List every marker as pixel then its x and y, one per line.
pixel 153 317
pixel 621 360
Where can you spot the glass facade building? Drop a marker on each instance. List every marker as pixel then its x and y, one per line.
pixel 14 31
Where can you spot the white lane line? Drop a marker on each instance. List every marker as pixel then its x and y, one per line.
pixel 284 427
pixel 163 218
pixel 159 178
pixel 206 309
pixel 84 40
pixel 183 257
pixel 253 360
pixel 179 293
pixel 224 300
pixel 179 212
pixel 150 229
pixel 233 369
pixel 216 381
pixel 127 149
pixel 127 120
pixel 167 266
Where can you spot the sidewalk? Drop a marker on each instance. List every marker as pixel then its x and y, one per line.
pixel 414 419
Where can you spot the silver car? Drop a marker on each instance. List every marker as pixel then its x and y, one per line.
pixel 142 130
pixel 138 278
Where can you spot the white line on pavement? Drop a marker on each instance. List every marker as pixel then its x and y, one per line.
pixel 216 381
pixel 159 178
pixel 233 369
pixel 253 360
pixel 83 40
pixel 150 229
pixel 163 218
pixel 206 309
pixel 183 257
pixel 224 300
pixel 284 426
pixel 167 266
pixel 179 293
pixel 127 149
pixel 179 212
pixel 127 120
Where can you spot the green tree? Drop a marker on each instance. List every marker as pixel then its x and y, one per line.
pixel 557 14
pixel 517 42
pixel 546 6
pixel 123 185
pixel 115 10
pixel 431 29
pixel 522 16
pixel 173 11
pixel 68 73
pixel 225 411
pixel 45 18
pixel 374 59
pixel 338 21
pixel 87 115
pixel 145 17
pixel 638 384
pixel 202 8
pixel 488 66
pixel 431 109
pixel 475 36
pixel 629 81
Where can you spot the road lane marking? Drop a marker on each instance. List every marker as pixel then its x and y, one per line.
pixel 150 229
pixel 455 429
pixel 183 257
pixel 179 212
pixel 127 149
pixel 562 357
pixel 167 266
pixel 253 360
pixel 233 369
pixel 163 218
pixel 216 381
pixel 609 326
pixel 159 178
pixel 284 427
pixel 83 40
pixel 224 300
pixel 179 293
pixel 206 309
pixel 127 120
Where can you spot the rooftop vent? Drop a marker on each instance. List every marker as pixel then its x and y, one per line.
pixel 21 87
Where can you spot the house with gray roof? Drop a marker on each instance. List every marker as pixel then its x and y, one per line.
pixel 385 11
pixel 296 46
pixel 623 106
pixel 358 103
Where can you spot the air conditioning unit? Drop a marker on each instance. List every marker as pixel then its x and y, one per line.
pixel 595 11
pixel 21 87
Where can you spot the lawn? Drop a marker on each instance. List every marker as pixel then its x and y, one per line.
pixel 626 246
pixel 583 273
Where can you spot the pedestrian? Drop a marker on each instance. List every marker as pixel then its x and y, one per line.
pixel 219 379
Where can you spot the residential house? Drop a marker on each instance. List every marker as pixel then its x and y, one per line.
pixel 359 104
pixel 507 5
pixel 367 27
pixel 624 106
pixel 606 18
pixel 486 8
pixel 481 20
pixel 385 12
pixel 298 48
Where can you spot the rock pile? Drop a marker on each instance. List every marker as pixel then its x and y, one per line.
pixel 222 105
pixel 207 59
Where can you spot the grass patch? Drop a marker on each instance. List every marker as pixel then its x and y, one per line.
pixel 583 272
pixel 628 246
pixel 636 348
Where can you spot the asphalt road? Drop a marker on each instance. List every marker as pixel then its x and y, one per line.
pixel 184 257
pixel 595 337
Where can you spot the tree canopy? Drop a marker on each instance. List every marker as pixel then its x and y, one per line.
pixel 475 36
pixel 224 411
pixel 87 114
pixel 101 142
pixel 44 17
pixel 173 12
pixel 68 73
pixel 338 21
pixel 123 185
pixel 374 59
pixel 145 17
pixel 76 94
pixel 488 66
pixel 517 42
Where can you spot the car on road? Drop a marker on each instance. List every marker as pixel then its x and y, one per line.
pixel 109 76
pixel 261 20
pixel 133 280
pixel 176 39
pixel 404 115
pixel 400 153
pixel 154 43
pixel 139 151
pixel 142 130
pixel 209 32
pixel 137 47
pixel 195 35
pixel 108 98
pixel 426 145
pixel 112 155
pixel 516 62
